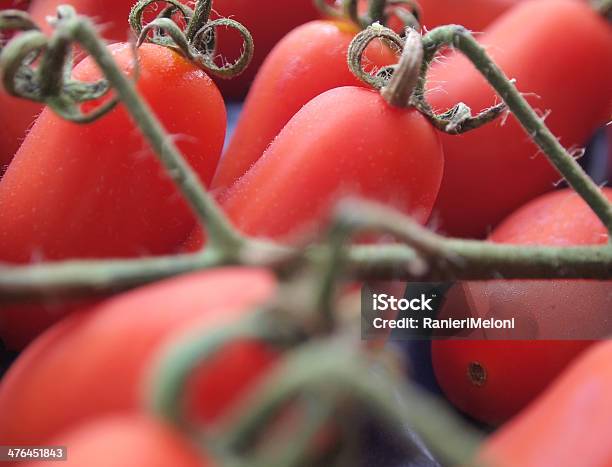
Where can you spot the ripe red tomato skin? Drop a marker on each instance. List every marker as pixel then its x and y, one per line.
pixel 494 170
pixel 517 371
pixel 346 141
pixel 16 117
pixel 568 425
pixel 126 441
pixel 268 21
pixel 307 62
pixel 499 402
pixel 106 353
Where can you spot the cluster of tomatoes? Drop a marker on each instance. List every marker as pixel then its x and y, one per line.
pixel 309 133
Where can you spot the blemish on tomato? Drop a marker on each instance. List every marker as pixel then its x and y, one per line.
pixel 477 374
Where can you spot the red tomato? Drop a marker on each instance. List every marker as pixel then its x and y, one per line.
pixel 493 170
pixel 103 356
pixel 14 4
pixel 347 141
pixel 307 62
pixel 473 14
pixel 268 21
pixel 492 380
pixel 568 425
pixel 126 441
pixel 97 191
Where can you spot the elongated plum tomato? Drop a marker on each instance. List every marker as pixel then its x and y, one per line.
pixel 492 380
pixel 268 21
pixel 125 441
pixel 570 424
pixel 106 353
pixel 345 142
pixel 97 190
pixel 307 62
pixel 494 170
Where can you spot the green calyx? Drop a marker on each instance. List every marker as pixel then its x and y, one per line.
pixel 193 33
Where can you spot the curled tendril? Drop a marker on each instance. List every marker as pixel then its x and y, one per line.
pixel 357 50
pixel 36 67
pixel 460 119
pixel 198 40
pixel 457 120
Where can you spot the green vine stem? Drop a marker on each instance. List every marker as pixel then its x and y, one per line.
pixel 458 260
pixel 170 374
pixel 449 258
pixel 332 370
pixel 338 369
